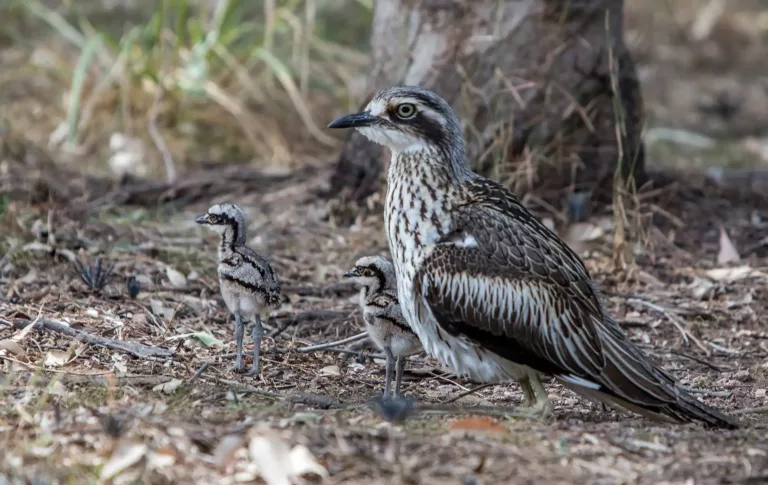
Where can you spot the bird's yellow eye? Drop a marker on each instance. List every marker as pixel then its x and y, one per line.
pixel 406 111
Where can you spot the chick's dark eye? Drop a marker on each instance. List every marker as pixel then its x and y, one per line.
pixel 406 110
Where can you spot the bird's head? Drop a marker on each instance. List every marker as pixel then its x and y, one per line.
pixel 407 119
pixel 223 218
pixel 373 272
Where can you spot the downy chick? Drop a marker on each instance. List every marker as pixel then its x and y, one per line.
pixel 248 283
pixel 381 313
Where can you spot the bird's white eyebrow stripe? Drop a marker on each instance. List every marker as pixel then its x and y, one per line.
pixel 377 107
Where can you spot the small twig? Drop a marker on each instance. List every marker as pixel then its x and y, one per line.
pixel 338 287
pixel 314 400
pixel 199 372
pixel 696 359
pixel 309 316
pixel 347 340
pixel 133 348
pixel 356 353
pixel 706 392
pixel 757 410
pixel 467 393
pixel 725 350
pixel 479 410
pixel 675 321
pixel 106 379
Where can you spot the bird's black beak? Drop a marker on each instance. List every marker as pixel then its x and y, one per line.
pixel 351 273
pixel 354 121
pixel 204 219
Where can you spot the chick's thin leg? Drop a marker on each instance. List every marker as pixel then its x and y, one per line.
pixel 257 334
pixel 399 369
pixel 239 333
pixel 390 368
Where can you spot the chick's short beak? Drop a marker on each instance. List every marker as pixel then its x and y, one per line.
pixel 350 273
pixel 356 120
pixel 204 219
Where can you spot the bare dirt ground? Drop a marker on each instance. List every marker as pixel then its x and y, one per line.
pixel 72 411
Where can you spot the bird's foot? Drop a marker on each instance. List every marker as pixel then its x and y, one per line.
pixel 538 410
pixel 253 371
pixel 393 409
pixel 239 367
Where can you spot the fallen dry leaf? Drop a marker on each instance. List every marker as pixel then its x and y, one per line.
pixel 277 463
pixel 177 278
pixel 11 347
pixel 161 310
pixel 580 234
pixel 730 275
pixel 479 425
pixel 700 287
pixel 168 387
pixel 161 458
pixel 330 370
pixel 225 450
pixel 57 389
pixel 124 456
pixel 728 252
pixel 57 358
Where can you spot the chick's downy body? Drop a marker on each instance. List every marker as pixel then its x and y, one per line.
pixel 248 283
pixel 383 319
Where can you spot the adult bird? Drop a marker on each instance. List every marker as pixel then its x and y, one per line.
pixel 490 291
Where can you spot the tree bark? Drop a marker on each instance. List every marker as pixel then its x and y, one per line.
pixel 546 90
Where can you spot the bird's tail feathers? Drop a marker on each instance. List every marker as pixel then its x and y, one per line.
pixel 631 380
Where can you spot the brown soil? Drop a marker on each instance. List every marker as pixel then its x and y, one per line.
pixel 107 404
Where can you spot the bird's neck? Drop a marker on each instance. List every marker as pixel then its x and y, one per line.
pixel 422 191
pixel 231 238
pixel 432 165
pixel 424 185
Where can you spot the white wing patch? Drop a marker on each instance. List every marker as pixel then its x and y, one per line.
pixel 469 241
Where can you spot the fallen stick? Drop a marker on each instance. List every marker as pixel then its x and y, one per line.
pixel 306 317
pixel 757 410
pixel 313 400
pixel 327 345
pixel 133 348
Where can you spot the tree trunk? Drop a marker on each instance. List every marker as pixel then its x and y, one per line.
pixel 542 87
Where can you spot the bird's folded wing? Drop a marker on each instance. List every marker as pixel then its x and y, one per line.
pixel 523 319
pixel 256 270
pixel 503 281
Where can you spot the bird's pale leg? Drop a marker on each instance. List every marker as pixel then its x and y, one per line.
pixel 542 406
pixel 529 397
pixel 390 368
pixel 239 333
pixel 257 334
pixel 399 369
pixel 536 403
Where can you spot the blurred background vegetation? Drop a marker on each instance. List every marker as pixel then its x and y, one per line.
pixel 113 86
